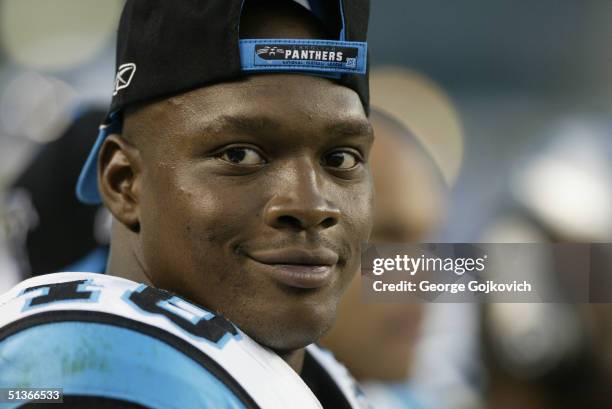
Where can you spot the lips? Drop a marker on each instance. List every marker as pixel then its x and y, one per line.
pixel 299 268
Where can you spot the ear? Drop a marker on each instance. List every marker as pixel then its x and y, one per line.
pixel 119 180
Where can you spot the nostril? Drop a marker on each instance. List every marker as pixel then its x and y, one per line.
pixel 289 221
pixel 304 223
pixel 328 222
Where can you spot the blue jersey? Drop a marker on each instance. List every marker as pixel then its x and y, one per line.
pixel 104 336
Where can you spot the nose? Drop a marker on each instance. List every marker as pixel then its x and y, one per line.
pixel 301 205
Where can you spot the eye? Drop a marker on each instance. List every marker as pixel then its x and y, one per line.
pixel 242 156
pixel 341 160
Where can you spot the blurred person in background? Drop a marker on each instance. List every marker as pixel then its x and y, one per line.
pixel 54 66
pixel 58 231
pixel 377 341
pixel 432 359
pixel 554 356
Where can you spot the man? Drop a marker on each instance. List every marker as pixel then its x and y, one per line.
pixel 239 202
pixel 379 347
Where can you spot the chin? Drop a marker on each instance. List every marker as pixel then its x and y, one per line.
pixel 294 327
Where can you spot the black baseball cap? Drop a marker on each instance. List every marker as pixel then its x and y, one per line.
pixel 168 47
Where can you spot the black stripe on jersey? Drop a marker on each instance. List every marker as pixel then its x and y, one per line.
pixel 111 319
pixel 81 401
pixel 323 385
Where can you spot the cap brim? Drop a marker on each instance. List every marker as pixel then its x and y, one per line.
pixel 87 186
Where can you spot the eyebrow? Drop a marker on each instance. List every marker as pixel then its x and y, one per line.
pixel 352 128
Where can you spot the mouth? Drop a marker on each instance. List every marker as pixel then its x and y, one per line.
pixel 298 268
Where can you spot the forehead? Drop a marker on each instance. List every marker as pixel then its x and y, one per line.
pixel 285 101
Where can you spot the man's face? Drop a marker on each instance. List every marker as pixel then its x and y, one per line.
pixel 255 198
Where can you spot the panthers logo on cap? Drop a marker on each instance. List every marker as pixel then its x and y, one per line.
pixel 271 51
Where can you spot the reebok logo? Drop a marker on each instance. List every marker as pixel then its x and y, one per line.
pixel 125 73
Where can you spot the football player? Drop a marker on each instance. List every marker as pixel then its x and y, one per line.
pixel 240 193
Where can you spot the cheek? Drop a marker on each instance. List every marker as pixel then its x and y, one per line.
pixel 359 212
pixel 189 227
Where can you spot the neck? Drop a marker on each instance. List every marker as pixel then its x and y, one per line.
pixel 295 359
pixel 124 259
